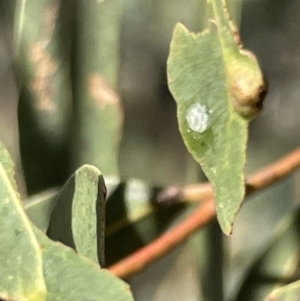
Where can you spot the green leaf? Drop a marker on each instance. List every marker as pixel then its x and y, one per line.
pixel 43 63
pixel 21 276
pixel 289 292
pixel 25 264
pixel 8 165
pixel 99 111
pixel 126 204
pixel 218 88
pixel 71 277
pixel 78 217
pixel 42 51
pixel 39 208
pixel 132 219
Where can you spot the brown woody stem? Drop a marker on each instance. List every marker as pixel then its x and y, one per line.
pixel 205 213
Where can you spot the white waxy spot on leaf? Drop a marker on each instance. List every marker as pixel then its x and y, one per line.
pixel 197 118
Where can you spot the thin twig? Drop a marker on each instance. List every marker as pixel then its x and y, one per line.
pixel 140 259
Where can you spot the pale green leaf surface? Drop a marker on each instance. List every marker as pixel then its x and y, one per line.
pixel 289 292
pixel 217 90
pixel 88 212
pixel 71 277
pixel 8 165
pixel 21 275
pixel 78 217
pixel 39 208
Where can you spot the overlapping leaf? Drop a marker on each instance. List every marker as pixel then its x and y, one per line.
pixel 71 277
pixel 35 268
pixel 21 274
pixel 131 217
pixel 78 217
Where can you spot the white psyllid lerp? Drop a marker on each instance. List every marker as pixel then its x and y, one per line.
pixel 197 117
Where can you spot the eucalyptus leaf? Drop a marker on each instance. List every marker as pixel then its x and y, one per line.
pixel 21 275
pixel 39 208
pixel 8 165
pixel 289 292
pixel 42 55
pixel 99 111
pixel 71 277
pixel 218 88
pixel 132 219
pixel 78 217
pixel 43 62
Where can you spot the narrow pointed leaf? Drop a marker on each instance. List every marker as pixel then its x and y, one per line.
pixel 43 62
pixel 218 88
pixel 78 217
pixel 21 275
pixel 71 277
pixel 99 113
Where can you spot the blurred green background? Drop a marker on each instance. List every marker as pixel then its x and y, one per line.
pixel 151 147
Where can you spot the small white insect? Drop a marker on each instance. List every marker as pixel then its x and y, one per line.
pixel 197 118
